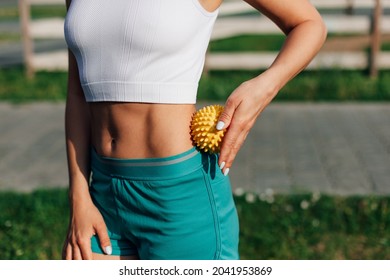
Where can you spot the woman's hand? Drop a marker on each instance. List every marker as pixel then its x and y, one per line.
pixel 85 222
pixel 306 33
pixel 242 108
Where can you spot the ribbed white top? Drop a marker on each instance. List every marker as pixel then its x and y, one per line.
pixel 139 50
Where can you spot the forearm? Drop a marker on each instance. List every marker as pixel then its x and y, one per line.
pixel 306 33
pixel 77 144
pixel 301 45
pixel 77 130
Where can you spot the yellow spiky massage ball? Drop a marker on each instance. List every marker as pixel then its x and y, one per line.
pixel 203 129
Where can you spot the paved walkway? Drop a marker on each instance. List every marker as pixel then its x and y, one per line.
pixel 330 148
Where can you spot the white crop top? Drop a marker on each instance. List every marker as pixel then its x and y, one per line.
pixel 149 51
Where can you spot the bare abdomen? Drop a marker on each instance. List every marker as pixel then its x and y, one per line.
pixel 139 130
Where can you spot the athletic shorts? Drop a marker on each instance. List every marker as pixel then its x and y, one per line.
pixel 178 207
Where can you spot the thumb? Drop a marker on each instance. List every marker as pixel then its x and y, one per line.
pixel 104 240
pixel 226 115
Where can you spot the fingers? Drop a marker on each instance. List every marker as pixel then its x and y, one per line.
pixel 80 247
pixel 76 253
pixel 224 121
pixel 67 251
pixel 84 247
pixel 105 243
pixel 77 248
pixel 227 114
pixel 232 143
pixel 238 117
pixel 83 226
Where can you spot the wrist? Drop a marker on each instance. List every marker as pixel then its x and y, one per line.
pixel 79 193
pixel 269 82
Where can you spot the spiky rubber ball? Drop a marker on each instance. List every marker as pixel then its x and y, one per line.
pixel 203 129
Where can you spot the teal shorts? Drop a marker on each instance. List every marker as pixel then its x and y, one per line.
pixel 178 207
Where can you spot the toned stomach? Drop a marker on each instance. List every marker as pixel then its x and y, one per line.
pixel 139 130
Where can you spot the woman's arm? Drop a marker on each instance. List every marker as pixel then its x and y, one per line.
pixel 77 132
pixel 85 219
pixel 306 33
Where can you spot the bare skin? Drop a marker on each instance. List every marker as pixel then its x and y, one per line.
pixel 134 130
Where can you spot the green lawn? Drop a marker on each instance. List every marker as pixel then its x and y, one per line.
pixel 335 85
pixel 9 37
pixel 315 227
pixel 37 11
pixel 248 43
pixel 45 86
pixel 386 46
pixel 33 226
pixel 267 42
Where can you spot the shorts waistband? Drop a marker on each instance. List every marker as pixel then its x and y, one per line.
pixel 149 168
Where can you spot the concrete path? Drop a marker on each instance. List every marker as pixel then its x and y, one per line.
pixel 340 148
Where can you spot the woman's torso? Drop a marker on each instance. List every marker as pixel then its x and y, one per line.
pixel 136 130
pixel 117 74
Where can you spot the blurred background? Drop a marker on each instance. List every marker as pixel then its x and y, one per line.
pixel 313 178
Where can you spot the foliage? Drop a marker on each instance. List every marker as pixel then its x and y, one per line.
pixel 335 85
pixel 248 43
pixel 386 46
pixel 42 11
pixel 315 227
pixel 10 13
pixel 32 226
pixel 305 226
pixel 321 85
pixel 45 86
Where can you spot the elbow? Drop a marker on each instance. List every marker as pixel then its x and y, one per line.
pixel 316 27
pixel 319 32
pixel 322 30
pixel 319 28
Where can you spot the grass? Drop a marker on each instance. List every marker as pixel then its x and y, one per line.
pixel 9 13
pixel 315 227
pixel 42 11
pixel 248 43
pixel 386 46
pixel 45 86
pixel 307 226
pixel 335 85
pixel 37 12
pixel 9 37
pixel 32 225
pixel 268 42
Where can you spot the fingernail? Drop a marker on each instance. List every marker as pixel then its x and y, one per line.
pixel 220 125
pixel 222 165
pixel 108 250
pixel 226 171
